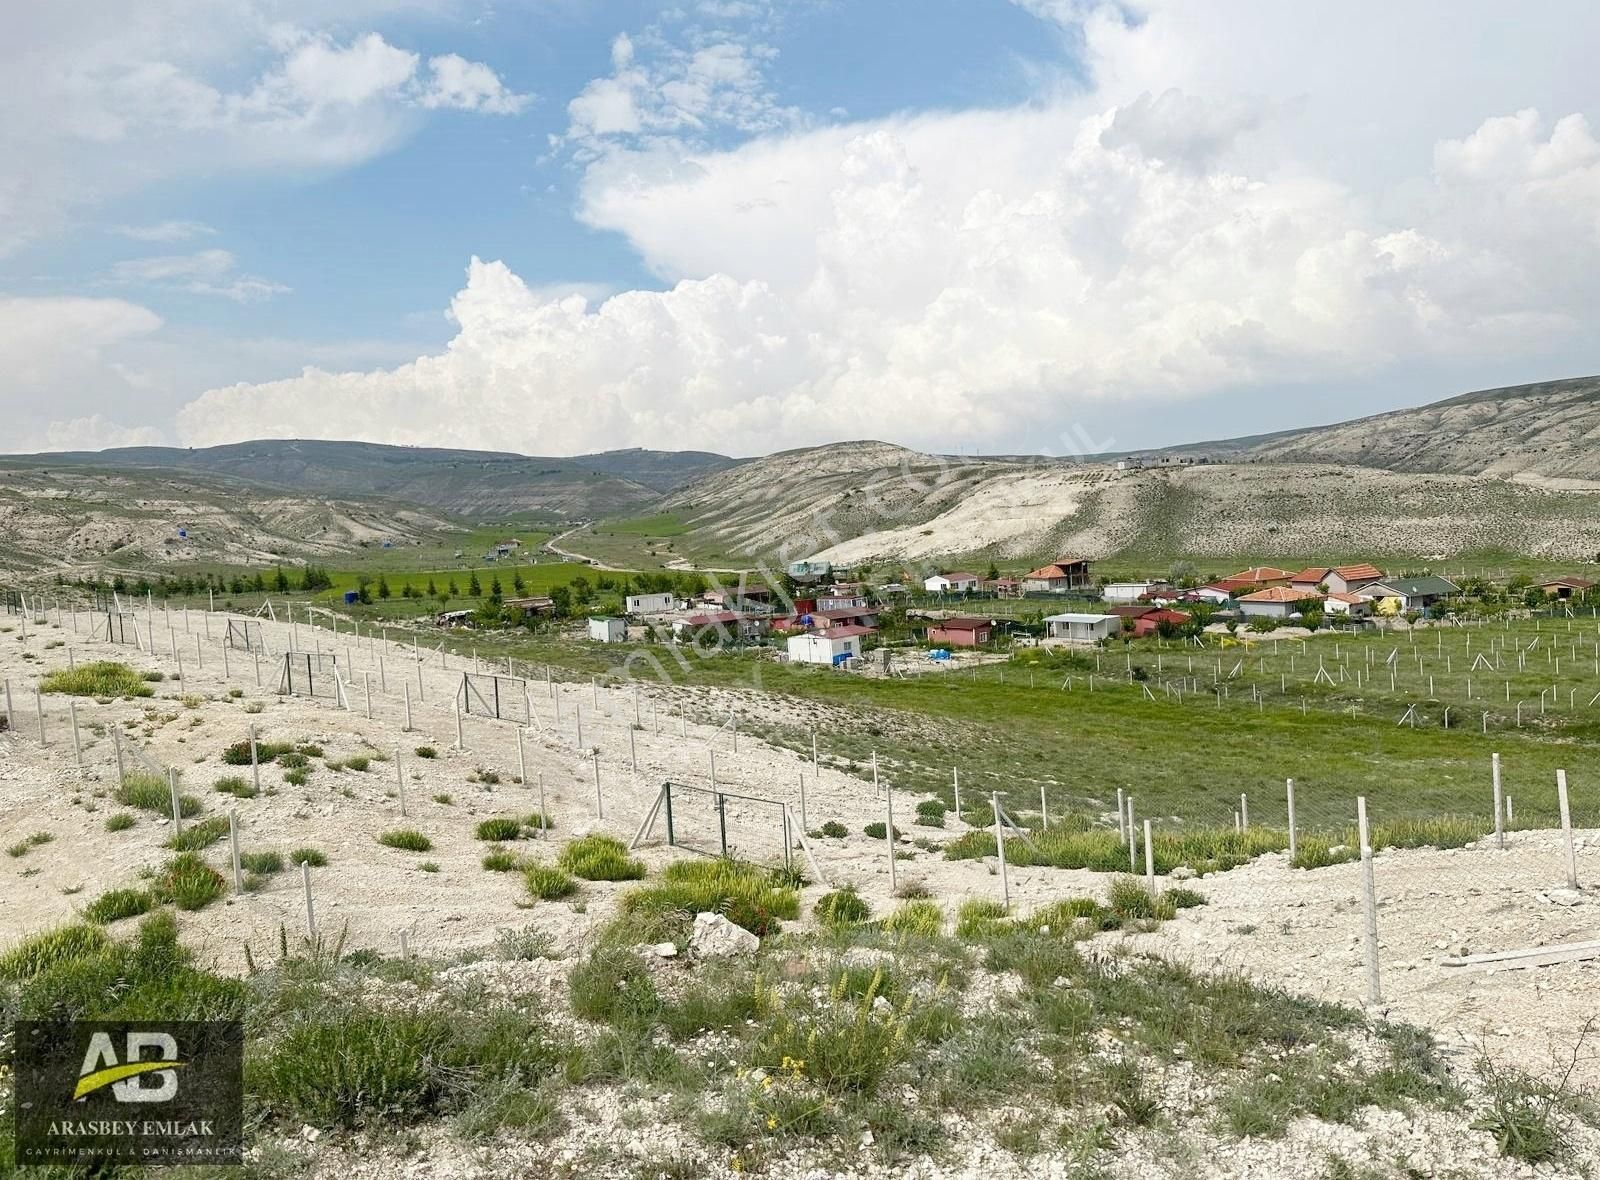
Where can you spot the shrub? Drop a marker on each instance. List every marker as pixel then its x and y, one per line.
pixel 116 904
pixel 930 813
pixel 1185 899
pixel 600 857
pixel 238 754
pixel 743 893
pixel 978 918
pixel 879 830
pixel 408 839
pixel 1128 898
pixel 297 776
pixel 102 678
pixel 357 762
pixel 151 792
pixel 20 848
pixel 488 777
pixel 188 882
pixel 264 862
pixel 549 883
pixel 200 835
pixel 834 830
pixel 501 860
pixel 428 866
pixel 235 785
pixel 444 798
pixel 921 918
pixel 119 821
pixel 314 857
pixel 500 828
pixel 426 752
pixel 539 822
pixel 842 907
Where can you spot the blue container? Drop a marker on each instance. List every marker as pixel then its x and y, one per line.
pixel 351 597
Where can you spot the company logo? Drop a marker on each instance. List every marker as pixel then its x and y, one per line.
pixel 151 1092
pixel 128 1078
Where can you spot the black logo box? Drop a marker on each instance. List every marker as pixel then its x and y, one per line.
pixel 202 1122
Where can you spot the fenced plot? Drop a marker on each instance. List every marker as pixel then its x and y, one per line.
pixel 309 674
pixel 11 602
pixel 723 823
pixel 505 698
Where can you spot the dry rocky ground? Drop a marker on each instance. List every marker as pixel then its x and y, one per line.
pixel 1293 928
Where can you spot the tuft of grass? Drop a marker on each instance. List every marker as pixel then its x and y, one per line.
pixel 879 830
pixel 116 904
pixel 1202 849
pixel 314 857
pixel 263 862
pixel 200 835
pixel 499 829
pixel 599 857
pixel 119 821
pixel 978 918
pixel 923 919
pixel 188 882
pixel 297 776
pixel 151 792
pixel 102 678
pixel 538 821
pixel 408 839
pixel 428 866
pixel 236 785
pixel 930 813
pixel 834 830
pixel 238 754
pixel 743 893
pixel 548 883
pixel 20 848
pixel 842 908
pixel 426 752
pixel 613 985
pixel 39 952
pixel 501 860
pixel 357 762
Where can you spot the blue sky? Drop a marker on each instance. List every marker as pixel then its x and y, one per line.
pixel 1007 225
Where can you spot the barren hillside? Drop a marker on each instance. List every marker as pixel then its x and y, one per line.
pixel 50 519
pixel 1536 433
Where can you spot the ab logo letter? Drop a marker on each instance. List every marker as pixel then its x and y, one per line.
pixel 133 1079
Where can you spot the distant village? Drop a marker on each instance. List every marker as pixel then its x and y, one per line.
pixel 815 615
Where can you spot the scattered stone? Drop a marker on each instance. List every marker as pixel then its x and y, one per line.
pixel 665 950
pixel 1182 873
pixel 717 938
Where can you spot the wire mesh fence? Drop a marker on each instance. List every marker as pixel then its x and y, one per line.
pixel 311 674
pixel 505 698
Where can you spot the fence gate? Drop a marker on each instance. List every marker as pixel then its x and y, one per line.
pixel 307 674
pixel 504 698
pixel 118 627
pixel 243 635
pixel 723 823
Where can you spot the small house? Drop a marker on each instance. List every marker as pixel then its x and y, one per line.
pixel 1566 587
pixel 1077 628
pixel 1344 579
pixel 962 632
pixel 1151 621
pixel 845 597
pixel 1351 605
pixel 953 583
pixel 1129 592
pixel 1396 595
pixel 845 617
pixel 608 630
pixel 832 647
pixel 810 571
pixel 645 604
pixel 1275 602
pixel 730 623
pixel 1262 576
pixel 1059 577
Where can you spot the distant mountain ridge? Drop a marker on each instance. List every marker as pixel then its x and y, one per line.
pixel 467 483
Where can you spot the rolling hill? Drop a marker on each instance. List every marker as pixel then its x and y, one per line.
pixel 480 484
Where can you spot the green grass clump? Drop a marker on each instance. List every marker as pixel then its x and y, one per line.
pixel 1317 852
pixel 549 883
pixel 930 813
pixel 834 830
pixel 41 951
pixel 102 678
pixel 20 848
pixel 879 831
pixel 501 860
pixel 841 908
pixel 263 862
pixel 119 821
pixel 314 857
pixel 200 835
pixel 499 828
pixel 745 894
pixel 426 752
pixel 116 904
pixel 920 918
pixel 979 917
pixel 613 985
pixel 151 792
pixel 188 882
pixel 235 785
pixel 357 762
pixel 238 754
pixel 297 776
pixel 538 821
pixel 599 857
pixel 408 839
pixel 1206 850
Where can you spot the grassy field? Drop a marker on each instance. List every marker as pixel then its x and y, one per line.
pixel 1187 761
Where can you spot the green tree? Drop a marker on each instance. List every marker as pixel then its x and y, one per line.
pixel 518 585
pixel 474 587
pixel 495 593
pixel 453 589
pixel 433 591
pixel 994 571
pixel 561 602
pixel 383 587
pixel 280 581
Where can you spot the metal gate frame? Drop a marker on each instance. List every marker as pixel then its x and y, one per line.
pixel 508 702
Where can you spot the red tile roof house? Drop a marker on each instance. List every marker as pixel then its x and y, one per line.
pixel 1070 573
pixel 1150 622
pixel 1566 587
pixel 856 616
pixel 962 632
pixel 1344 579
pixel 1275 602
pixel 1261 576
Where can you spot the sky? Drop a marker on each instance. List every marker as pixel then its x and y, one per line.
pixel 966 226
